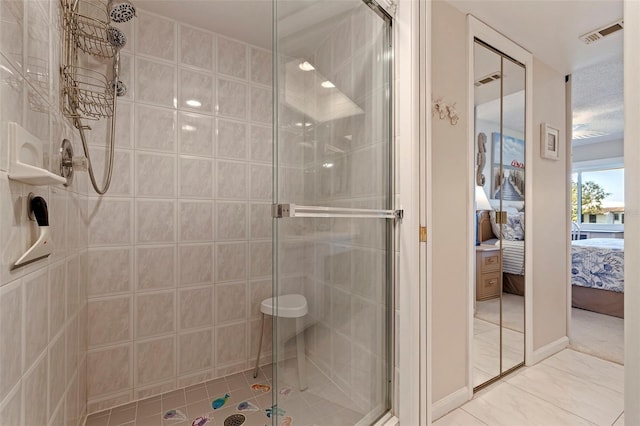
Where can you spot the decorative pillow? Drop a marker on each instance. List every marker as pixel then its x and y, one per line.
pixel 513 229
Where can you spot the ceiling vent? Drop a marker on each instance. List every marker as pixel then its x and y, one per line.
pixel 487 79
pixel 600 33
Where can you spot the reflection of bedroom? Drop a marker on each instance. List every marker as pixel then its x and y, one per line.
pixel 597 246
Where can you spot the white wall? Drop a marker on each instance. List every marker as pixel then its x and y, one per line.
pixel 632 213
pixel 550 237
pixel 450 213
pixel 449 176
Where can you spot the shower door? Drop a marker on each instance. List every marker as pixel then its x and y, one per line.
pixel 333 218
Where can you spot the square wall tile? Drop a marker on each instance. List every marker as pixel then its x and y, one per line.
pixel 231 259
pixel 196 91
pixel 11 331
pixel 261 259
pixel 196 134
pixel 155 36
pixel 232 57
pixel 155 267
pixel 195 351
pixel 155 314
pixel 109 320
pixel 57 379
pixel 261 143
pixel 11 411
pixel 196 264
pixel 156 83
pixel 232 98
pixel 155 221
pixel 231 139
pixel 230 302
pixel 110 221
pixel 57 298
pixel 261 105
pixel 196 177
pixel 259 291
pixel 196 47
pixel 110 270
pixel 35 392
pixel 261 66
pixel 196 221
pixel 231 221
pixel 196 308
pixel 100 128
pixel 155 360
pixel 11 33
pixel 108 370
pixel 261 187
pixel 122 172
pixel 231 180
pixel 230 342
pixel 261 221
pixel 155 128
pixel 71 337
pixel 36 316
pixel 155 175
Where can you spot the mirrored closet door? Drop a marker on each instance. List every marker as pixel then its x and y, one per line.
pixel 499 140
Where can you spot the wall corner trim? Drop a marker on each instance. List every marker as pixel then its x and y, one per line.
pixel 450 402
pixel 547 350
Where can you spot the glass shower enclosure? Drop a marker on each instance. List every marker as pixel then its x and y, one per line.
pixel 333 221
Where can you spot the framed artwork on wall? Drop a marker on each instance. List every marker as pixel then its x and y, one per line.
pixel 507 171
pixel 549 142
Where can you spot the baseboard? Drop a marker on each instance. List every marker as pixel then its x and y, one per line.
pixel 547 350
pixel 449 403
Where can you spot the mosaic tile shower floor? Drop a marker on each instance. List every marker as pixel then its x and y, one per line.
pixel 322 404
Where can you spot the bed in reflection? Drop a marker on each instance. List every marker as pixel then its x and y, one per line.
pixel 597 275
pixel 512 247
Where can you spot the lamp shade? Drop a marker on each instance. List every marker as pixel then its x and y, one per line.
pixel 482 202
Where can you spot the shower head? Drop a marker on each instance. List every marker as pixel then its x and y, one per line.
pixel 119 87
pixel 116 37
pixel 121 10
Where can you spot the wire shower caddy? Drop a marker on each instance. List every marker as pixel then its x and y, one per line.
pixel 88 94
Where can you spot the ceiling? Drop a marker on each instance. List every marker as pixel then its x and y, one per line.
pixel 550 30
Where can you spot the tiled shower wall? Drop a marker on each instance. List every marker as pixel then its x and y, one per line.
pixel 43 306
pixel 180 247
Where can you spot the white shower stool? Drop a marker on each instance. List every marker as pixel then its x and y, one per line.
pixel 288 306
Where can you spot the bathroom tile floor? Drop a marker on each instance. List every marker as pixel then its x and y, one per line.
pixel 321 404
pixel 569 388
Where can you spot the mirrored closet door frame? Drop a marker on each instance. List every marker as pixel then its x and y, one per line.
pixel 488 36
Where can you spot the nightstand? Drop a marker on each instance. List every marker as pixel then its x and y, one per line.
pixel 488 272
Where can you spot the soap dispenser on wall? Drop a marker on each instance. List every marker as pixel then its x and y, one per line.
pixel 43 246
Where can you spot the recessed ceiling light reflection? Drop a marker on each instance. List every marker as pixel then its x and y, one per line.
pixel 194 103
pixel 327 165
pixel 188 128
pixel 306 66
pixel 327 84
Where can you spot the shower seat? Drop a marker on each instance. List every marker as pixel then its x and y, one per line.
pixel 287 306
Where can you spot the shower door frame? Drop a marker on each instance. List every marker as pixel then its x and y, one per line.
pixel 392 217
